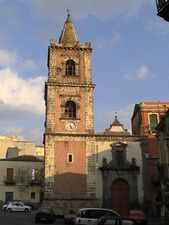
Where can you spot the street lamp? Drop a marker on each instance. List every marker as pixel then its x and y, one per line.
pixel 163 9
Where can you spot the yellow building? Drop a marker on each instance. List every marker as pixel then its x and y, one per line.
pixel 21 178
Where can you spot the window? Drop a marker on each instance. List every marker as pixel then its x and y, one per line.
pixel 153 121
pixel 35 174
pixel 69 158
pixel 8 196
pixel 70 68
pixel 70 109
pixel 32 195
pixel 10 175
pixel 119 158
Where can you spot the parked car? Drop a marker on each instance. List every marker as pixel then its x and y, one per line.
pixel 70 217
pixel 107 220
pixel 45 214
pixel 17 207
pixel 89 216
pixel 138 217
pixel 7 203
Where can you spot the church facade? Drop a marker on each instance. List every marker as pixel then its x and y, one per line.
pixel 84 168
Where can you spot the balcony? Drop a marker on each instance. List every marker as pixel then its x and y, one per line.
pixel 36 182
pixel 8 181
pixel 163 9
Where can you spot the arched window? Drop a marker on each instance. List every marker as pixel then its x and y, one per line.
pixel 70 109
pixel 70 67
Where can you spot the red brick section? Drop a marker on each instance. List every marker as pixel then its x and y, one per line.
pixel 70 178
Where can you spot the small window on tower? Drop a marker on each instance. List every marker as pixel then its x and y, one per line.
pixel 70 158
pixel 70 109
pixel 70 68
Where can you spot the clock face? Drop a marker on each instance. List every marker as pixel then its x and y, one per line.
pixel 70 125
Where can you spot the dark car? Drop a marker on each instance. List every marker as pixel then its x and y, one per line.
pixel 69 217
pixel 45 214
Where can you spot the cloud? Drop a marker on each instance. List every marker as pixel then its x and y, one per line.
pixel 11 112
pixel 142 73
pixel 22 106
pixel 25 93
pixel 18 131
pixel 34 134
pixel 11 59
pixel 103 43
pixel 21 121
pixel 23 133
pixel 7 57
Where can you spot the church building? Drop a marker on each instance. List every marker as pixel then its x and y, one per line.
pixel 84 168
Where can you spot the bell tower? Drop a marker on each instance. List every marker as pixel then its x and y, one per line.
pixel 70 173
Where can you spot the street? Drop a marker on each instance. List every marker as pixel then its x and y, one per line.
pixel 20 218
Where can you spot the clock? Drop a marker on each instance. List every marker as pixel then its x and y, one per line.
pixel 70 125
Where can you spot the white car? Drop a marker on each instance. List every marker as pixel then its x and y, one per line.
pixel 90 216
pixel 114 221
pixel 17 207
pixel 7 203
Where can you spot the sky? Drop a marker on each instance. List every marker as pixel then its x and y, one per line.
pixel 129 58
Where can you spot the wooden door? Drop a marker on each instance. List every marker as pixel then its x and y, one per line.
pixel 120 197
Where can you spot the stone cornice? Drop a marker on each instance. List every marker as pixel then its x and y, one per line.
pixel 54 83
pixel 73 134
pixel 98 137
pixel 66 198
pixel 86 47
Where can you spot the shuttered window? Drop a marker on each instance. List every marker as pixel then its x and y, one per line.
pixel 9 175
pixel 153 121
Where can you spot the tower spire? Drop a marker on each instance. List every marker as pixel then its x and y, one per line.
pixel 68 35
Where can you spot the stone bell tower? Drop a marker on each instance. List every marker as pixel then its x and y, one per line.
pixel 70 173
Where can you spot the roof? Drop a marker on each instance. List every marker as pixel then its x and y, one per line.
pixel 156 106
pixel 26 158
pixel 68 35
pixel 117 127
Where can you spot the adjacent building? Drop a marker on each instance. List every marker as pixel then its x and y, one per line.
pixel 21 178
pixel 12 146
pixel 163 164
pixel 146 116
pixel 22 170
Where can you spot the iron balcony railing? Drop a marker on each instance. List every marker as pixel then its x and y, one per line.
pixel 163 9
pixel 161 4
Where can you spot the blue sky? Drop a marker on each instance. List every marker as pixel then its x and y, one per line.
pixel 129 59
